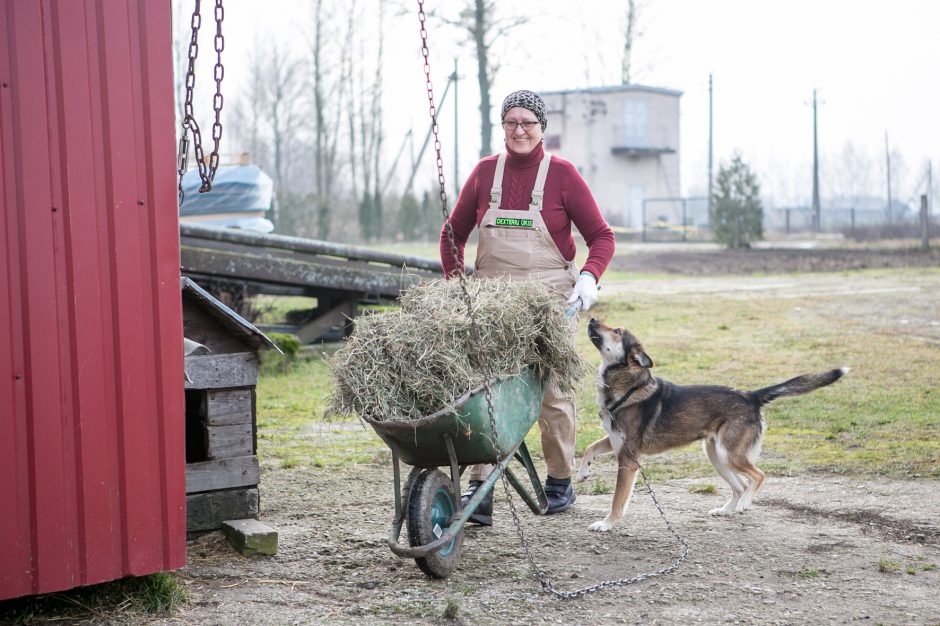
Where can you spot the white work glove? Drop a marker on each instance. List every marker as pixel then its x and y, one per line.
pixel 585 290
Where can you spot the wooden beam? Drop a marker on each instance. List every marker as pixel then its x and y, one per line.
pixel 234 440
pixel 225 407
pixel 214 371
pixel 246 263
pixel 207 511
pixel 339 315
pixel 219 474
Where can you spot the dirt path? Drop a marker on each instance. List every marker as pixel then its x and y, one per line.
pixel 813 550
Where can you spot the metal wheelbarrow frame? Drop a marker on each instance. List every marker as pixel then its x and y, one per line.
pixel 458 437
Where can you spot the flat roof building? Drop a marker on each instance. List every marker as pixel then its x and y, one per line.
pixel 625 142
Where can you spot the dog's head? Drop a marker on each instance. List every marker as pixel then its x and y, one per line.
pixel 617 345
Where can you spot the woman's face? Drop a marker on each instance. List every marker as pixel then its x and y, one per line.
pixel 521 141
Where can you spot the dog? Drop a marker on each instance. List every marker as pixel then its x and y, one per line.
pixel 645 415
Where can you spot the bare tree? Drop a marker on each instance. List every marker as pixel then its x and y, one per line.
pixel 632 33
pixel 628 38
pixel 279 87
pixel 853 172
pixel 370 139
pixel 480 21
pixel 249 110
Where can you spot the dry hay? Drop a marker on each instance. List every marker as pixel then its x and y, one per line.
pixel 416 360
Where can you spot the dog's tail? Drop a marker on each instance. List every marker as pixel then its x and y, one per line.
pixel 799 385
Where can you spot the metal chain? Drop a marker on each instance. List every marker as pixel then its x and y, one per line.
pixel 542 577
pixel 206 171
pixel 474 326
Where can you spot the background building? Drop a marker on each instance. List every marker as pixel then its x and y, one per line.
pixel 625 142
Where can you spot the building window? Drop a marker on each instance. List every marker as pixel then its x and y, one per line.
pixel 634 133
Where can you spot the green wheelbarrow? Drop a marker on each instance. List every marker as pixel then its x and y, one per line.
pixel 457 438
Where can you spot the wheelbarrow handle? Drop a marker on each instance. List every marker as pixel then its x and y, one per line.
pixel 574 308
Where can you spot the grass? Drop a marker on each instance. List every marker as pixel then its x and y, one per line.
pixel 108 603
pixel 707 489
pixel 880 420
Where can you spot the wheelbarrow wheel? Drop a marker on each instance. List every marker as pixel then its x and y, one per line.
pixel 430 508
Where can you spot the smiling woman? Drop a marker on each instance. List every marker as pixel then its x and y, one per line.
pixel 524 202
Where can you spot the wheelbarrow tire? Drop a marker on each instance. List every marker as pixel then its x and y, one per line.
pixel 430 507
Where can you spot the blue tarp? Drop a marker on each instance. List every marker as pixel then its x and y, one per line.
pixel 235 189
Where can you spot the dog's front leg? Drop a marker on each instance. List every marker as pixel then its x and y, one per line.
pixel 626 478
pixel 601 446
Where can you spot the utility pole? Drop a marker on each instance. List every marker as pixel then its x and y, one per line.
pixel 456 135
pixel 710 147
pixel 888 211
pixel 817 217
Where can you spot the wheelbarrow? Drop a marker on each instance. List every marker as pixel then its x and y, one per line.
pixel 456 438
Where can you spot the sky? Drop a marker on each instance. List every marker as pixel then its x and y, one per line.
pixel 875 65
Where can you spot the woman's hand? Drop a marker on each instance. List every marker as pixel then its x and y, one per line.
pixel 585 290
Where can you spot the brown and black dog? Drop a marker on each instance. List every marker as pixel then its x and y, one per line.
pixel 644 415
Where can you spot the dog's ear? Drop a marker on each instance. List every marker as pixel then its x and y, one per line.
pixel 641 357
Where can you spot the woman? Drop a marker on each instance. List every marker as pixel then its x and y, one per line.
pixel 543 196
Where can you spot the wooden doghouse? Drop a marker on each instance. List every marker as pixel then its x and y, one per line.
pixel 221 366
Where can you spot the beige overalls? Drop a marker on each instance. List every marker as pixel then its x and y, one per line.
pixel 516 243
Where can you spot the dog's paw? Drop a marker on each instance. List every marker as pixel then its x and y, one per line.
pixel 722 511
pixel 742 507
pixel 601 527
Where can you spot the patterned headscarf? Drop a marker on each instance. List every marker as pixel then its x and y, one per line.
pixel 527 100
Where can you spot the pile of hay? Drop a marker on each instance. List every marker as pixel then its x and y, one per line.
pixel 418 359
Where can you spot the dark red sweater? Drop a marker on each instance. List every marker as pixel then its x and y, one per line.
pixel 567 200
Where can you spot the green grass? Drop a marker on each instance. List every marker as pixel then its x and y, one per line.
pixel 880 420
pixel 115 602
pixel 707 489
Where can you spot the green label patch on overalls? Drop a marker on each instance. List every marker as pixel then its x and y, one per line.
pixel 513 221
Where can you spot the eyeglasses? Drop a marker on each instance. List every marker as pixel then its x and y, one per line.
pixel 511 126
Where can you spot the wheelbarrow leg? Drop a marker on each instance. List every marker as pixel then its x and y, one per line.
pixel 522 455
pixel 400 511
pixel 454 471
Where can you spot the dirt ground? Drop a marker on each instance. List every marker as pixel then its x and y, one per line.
pixel 814 548
pixel 693 260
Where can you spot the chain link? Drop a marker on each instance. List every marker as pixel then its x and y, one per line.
pixel 190 126
pixel 542 577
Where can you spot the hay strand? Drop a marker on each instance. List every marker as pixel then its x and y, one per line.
pixel 416 360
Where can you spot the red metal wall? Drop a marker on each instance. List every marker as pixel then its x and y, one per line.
pixel 92 458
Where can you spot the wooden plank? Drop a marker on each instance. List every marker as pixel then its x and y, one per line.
pixel 248 264
pixel 214 371
pixel 234 440
pixel 222 474
pixel 337 316
pixel 207 511
pixel 225 407
pixel 298 245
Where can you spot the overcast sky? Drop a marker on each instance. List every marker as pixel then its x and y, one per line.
pixel 875 64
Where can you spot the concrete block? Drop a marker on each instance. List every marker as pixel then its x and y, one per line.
pixel 250 537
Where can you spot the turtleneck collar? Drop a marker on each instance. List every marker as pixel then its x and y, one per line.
pixel 524 161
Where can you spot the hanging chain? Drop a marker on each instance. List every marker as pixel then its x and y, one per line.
pixel 474 326
pixel 542 577
pixel 206 170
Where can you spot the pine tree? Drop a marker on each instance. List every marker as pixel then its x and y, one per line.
pixel 737 214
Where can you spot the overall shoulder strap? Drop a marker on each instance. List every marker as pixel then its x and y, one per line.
pixel 539 189
pixel 496 193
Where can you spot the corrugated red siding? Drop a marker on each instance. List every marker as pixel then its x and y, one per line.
pixel 92 458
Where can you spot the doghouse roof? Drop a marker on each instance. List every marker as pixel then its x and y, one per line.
pixel 228 318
